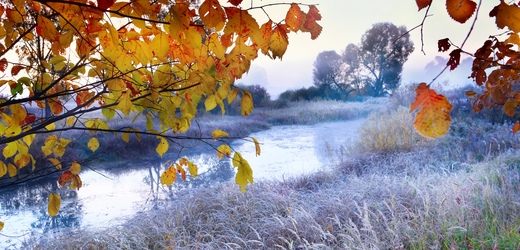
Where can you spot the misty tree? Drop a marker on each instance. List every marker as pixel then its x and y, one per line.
pixel 383 51
pixel 331 73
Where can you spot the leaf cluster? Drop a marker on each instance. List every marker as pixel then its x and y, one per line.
pixel 82 63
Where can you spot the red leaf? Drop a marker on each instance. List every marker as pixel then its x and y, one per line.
pixel 16 69
pixel 105 4
pixel 454 59
pixel 188 97
pixel 3 64
pixel 29 118
pixel 235 2
pixel 423 3
pixel 444 44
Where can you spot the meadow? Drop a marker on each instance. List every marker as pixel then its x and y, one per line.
pixel 393 189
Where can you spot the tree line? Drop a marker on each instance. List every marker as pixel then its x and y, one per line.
pixel 371 68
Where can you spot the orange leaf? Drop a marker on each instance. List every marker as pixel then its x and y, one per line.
pixel 470 93
pixel 516 128
pixel 56 106
pixel 181 171
pixel 460 10
pixel 235 2
pixel 65 177
pixel 509 107
pixel 169 176
pixel 433 118
pixel 16 69
pixel 46 29
pixel 212 14
pixel 294 17
pixel 423 3
pixel 507 15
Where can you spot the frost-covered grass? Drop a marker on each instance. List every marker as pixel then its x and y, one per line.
pixel 457 192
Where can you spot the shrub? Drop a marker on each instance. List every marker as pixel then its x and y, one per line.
pixel 387 131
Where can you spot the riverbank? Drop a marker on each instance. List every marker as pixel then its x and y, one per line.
pixel 113 149
pixel 460 191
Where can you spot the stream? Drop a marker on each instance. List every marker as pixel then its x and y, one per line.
pixel 108 198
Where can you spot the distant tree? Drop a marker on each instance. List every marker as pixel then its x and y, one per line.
pixel 383 51
pixel 330 73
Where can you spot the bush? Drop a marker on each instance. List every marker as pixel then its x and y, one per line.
pixel 388 131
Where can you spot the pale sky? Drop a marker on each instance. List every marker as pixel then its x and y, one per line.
pixel 345 21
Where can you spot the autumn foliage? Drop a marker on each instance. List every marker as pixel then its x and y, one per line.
pixel 496 67
pixel 137 58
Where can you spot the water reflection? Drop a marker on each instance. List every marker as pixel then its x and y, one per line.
pixel 210 171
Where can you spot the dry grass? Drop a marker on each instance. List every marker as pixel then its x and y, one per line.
pixel 320 111
pixel 376 210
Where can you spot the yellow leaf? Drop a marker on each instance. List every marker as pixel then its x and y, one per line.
pixel 247 103
pixel 433 118
pixel 279 42
pixel 137 134
pixel 169 176
pixel 28 139
pixel 257 146
pixel 161 46
pixel 223 150
pixel 232 95
pixel 162 147
pixel 244 174
pixel 149 124
pixel 10 149
pixel 125 103
pixel 218 133
pixel 126 136
pixel 210 102
pixel 56 162
pixel 33 162
pixel 193 169
pixel 50 127
pixel 70 121
pixel 12 170
pixel 3 169
pixel 75 168
pixel 76 182
pixel 1 226
pixel 93 144
pixel 54 204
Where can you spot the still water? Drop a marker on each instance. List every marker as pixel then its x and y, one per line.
pixel 107 198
